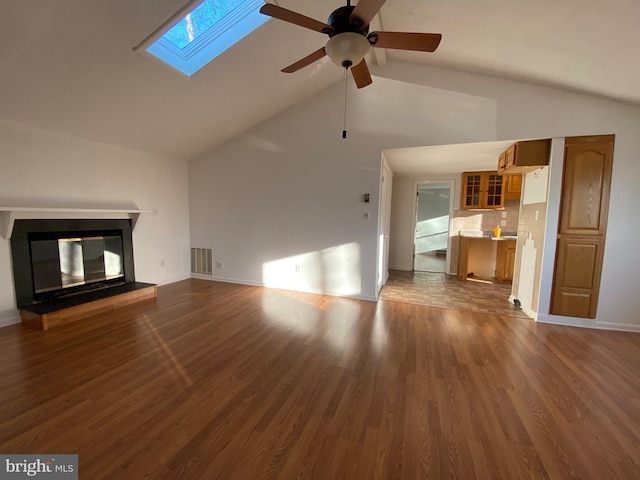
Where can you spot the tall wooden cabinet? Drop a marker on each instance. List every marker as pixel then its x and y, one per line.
pixel 582 228
pixel 482 190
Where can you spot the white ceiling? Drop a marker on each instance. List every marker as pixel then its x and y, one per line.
pixel 69 65
pixel 446 159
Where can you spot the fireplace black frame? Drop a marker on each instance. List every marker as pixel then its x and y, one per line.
pixel 21 253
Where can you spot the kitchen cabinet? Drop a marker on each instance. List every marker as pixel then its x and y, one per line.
pixel 482 190
pixel 512 187
pixel 486 257
pixel 524 157
pixel 476 257
pixel 505 259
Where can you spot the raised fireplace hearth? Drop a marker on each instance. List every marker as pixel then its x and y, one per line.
pixel 67 268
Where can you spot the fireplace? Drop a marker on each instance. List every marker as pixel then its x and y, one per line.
pixel 58 259
pixel 65 264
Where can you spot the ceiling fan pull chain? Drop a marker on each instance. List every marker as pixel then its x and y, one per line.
pixel 344 124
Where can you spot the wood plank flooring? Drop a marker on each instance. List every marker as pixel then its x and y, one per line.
pixel 215 380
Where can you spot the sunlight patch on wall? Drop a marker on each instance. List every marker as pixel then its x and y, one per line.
pixel 432 234
pixel 334 271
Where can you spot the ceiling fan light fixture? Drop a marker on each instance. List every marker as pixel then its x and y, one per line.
pixel 347 49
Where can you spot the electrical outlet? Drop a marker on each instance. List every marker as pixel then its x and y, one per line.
pixel 219 265
pixel 503 223
pixel 297 268
pixel 537 215
pixel 504 214
pixel 162 264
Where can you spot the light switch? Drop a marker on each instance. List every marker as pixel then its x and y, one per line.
pixel 504 214
pixel 537 215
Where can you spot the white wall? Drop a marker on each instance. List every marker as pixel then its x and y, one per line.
pixel 527 111
pixel 289 191
pixel 44 169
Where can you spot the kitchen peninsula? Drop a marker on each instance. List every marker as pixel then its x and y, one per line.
pixel 485 256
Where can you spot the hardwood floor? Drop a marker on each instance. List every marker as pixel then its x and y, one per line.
pixel 215 380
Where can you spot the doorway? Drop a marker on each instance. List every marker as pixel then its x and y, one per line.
pixel 384 224
pixel 431 233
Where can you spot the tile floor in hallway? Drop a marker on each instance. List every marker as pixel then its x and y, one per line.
pixel 430 262
pixel 446 291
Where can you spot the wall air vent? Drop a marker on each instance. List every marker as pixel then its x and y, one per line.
pixel 202 261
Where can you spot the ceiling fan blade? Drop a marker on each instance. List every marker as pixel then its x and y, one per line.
pixel 361 74
pixel 422 42
pixel 365 10
pixel 280 13
pixel 308 60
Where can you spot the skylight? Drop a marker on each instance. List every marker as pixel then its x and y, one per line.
pixel 207 31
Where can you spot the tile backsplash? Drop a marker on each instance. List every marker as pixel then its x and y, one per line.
pixel 486 220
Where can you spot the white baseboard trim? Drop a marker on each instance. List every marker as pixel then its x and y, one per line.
pixel 9 317
pixel 235 281
pixel 526 310
pixel 586 323
pixel 404 268
pixel 239 281
pixel 530 313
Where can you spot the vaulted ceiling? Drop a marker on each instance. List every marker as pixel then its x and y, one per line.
pixel 69 65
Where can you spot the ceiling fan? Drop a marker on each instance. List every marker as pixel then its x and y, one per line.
pixel 349 37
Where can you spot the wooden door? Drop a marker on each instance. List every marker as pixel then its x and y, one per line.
pixel 505 259
pixel 510 260
pixel 584 208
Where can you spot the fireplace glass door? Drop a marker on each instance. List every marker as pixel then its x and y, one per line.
pixel 64 263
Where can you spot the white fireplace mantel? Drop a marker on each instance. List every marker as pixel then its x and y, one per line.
pixel 8 215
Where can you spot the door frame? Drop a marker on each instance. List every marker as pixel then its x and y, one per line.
pixel 414 216
pixel 384 224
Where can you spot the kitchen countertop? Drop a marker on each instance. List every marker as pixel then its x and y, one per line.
pixel 488 236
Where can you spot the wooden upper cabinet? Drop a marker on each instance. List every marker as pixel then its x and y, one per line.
pixel 472 185
pixel 482 190
pixel 524 157
pixel 494 194
pixel 510 157
pixel 512 187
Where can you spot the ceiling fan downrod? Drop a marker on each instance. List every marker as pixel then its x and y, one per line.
pixel 344 121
